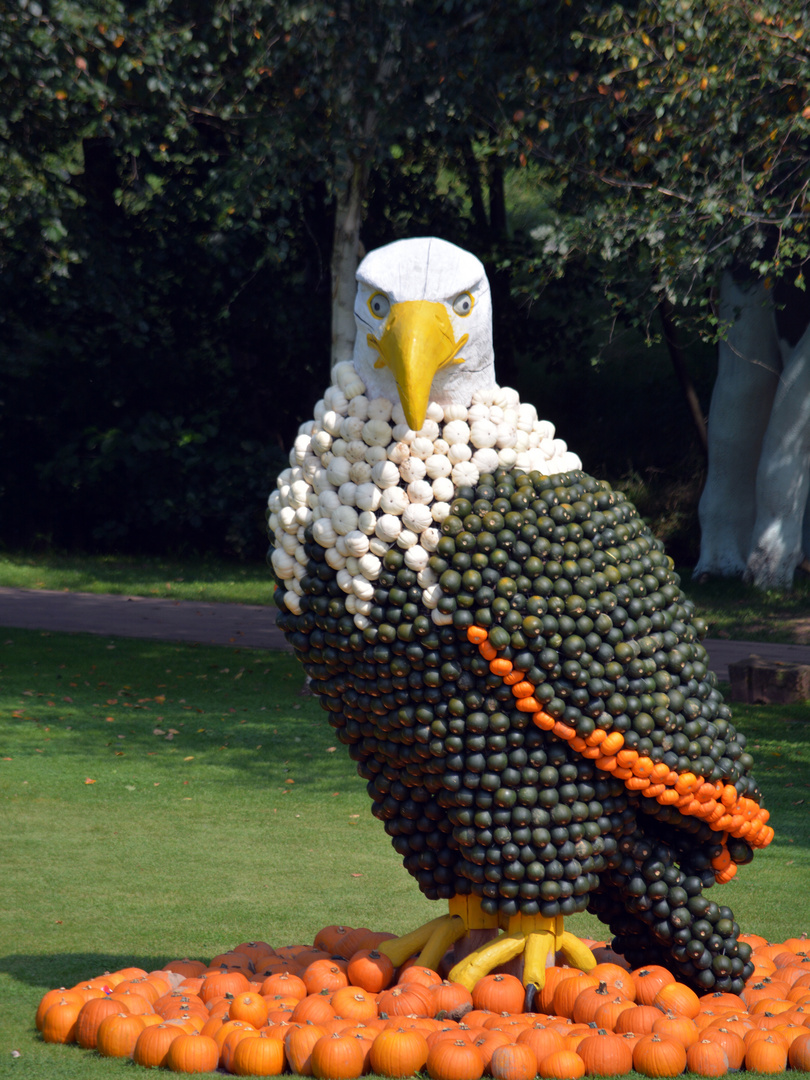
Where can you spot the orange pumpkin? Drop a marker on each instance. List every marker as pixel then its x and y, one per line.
pixel 370 970
pixel 285 984
pixel 730 1041
pixel 605 1055
pixel 499 993
pixel 192 1054
pixel 51 998
pixel 323 975
pixel 799 1053
pixel 678 998
pixel 451 999
pixel 258 1057
pixel 152 1045
pixel 649 980
pixel 568 990
pixel 60 1021
pixel 677 1027
pixel 250 1007
pixel 337 1057
pixel 118 1033
pixel 654 1056
pixel 454 1059
pixel 398 1053
pixel 542 1040
pixel 707 1058
pixel 405 999
pixel 222 983
pixel 315 1008
pixel 513 1062
pixel 767 1055
pixel 562 1065
pixel 298 1043
pixel 90 1017
pixel 354 1003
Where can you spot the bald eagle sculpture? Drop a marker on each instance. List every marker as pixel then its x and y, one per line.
pixel 505 649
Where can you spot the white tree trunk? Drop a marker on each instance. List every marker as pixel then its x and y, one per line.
pixel 783 478
pixel 748 371
pixel 754 514
pixel 345 259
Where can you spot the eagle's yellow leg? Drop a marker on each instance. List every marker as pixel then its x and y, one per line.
pixel 535 936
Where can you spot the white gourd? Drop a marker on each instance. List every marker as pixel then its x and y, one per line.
pixel 443 489
pixel 412 469
pixel 380 409
pixel 344 519
pixel 323 533
pixel 367 496
pixel 388 528
pixel 358 407
pixel 357 543
pixel 347 493
pixel 420 491
pixel 416 558
pixel 417 517
pixel 360 472
pixel 338 471
pixel 385 474
pixel 430 537
pixel 394 500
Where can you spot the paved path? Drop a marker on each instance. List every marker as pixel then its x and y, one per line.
pixel 248 625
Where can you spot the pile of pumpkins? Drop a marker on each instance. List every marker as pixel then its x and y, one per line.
pixel 338 1009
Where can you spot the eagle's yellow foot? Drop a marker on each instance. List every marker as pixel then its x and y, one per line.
pixel 432 940
pixel 534 936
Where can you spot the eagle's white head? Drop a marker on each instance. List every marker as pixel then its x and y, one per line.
pixel 424 325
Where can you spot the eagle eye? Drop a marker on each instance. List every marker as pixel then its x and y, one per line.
pixel 379 305
pixel 463 304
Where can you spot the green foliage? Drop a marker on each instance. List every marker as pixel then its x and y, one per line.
pixel 678 135
pixel 167 205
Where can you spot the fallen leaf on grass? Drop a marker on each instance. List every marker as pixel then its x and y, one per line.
pixel 158 731
pixel 357 875
pixel 89 781
pixel 189 758
pixel 331 749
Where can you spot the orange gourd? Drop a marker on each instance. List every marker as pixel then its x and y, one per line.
pixel 89 1019
pixel 454 1060
pixel 707 1058
pixel 513 1062
pixel 398 1053
pixel 192 1054
pixel 117 1034
pixel 261 1056
pixel 337 1057
pixel 499 993
pixel 152 1045
pixel 60 1021
pixel 562 1065
pixel 654 1056
pixel 605 1055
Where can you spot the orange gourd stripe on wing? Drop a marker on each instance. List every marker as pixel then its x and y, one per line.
pixel 718 804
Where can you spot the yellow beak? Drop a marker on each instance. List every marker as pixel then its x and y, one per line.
pixel 418 340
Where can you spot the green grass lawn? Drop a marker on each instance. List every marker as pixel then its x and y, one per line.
pixel 211 580
pixel 164 800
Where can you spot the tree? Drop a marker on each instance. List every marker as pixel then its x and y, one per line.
pixel 680 137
